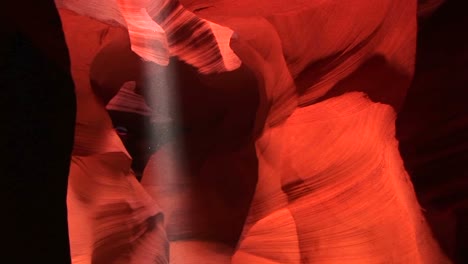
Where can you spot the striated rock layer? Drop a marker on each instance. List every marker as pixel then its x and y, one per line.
pixel 316 151
pixel 333 188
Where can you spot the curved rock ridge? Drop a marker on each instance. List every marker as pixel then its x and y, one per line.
pixel 161 29
pixel 309 173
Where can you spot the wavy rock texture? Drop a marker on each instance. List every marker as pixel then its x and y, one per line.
pixel 159 29
pixel 333 187
pixel 320 159
pixel 110 215
pixel 111 218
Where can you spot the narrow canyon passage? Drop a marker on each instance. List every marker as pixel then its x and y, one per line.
pixel 212 131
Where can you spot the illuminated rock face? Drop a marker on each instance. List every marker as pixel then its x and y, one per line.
pixel 290 157
pixel 333 187
pixel 160 29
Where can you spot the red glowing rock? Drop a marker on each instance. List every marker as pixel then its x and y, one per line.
pixel 317 151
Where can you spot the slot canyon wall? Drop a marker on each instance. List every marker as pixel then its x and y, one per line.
pixel 235 131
